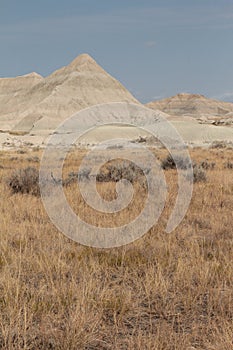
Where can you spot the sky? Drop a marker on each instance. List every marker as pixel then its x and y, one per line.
pixel 155 48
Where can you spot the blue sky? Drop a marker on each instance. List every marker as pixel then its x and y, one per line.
pixel 155 48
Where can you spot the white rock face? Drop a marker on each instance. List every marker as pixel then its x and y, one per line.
pixel 32 107
pixel 35 105
pixel 198 119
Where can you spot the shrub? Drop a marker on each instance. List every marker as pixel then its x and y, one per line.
pixel 207 166
pixel 219 144
pixel 199 174
pixel 73 177
pixel 169 163
pixel 111 173
pixel 121 170
pixel 21 151
pixel 34 159
pixel 228 165
pixel 25 181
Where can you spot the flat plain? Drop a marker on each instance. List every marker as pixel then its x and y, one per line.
pixel 164 291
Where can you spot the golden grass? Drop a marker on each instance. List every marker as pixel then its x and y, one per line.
pixel 165 291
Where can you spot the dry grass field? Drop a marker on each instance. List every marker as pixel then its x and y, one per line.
pixel 163 292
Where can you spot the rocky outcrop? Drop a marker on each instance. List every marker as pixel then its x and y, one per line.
pixel 36 105
pixel 203 109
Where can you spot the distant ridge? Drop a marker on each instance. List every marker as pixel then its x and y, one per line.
pixel 198 119
pixel 194 105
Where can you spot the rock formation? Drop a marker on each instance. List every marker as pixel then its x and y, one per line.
pixel 35 105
